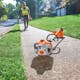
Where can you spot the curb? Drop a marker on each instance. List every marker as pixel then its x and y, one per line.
pixel 5 32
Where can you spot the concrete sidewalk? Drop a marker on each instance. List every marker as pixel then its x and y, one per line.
pixel 62 66
pixel 4 30
pixel 6 26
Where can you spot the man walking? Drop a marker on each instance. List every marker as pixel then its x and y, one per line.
pixel 25 14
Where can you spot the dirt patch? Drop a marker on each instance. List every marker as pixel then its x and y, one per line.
pixel 42 63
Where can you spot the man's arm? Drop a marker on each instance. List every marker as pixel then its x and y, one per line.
pixel 29 16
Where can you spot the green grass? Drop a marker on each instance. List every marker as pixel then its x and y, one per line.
pixel 11 63
pixel 70 24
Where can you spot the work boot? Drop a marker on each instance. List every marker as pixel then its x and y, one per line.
pixel 25 28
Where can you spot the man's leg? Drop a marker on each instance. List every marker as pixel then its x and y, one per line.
pixel 25 23
pixel 27 20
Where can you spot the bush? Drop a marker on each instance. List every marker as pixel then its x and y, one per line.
pixel 4 18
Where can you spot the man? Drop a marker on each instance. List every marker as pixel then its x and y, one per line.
pixel 25 14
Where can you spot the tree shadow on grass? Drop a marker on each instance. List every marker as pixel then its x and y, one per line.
pixel 42 64
pixel 15 31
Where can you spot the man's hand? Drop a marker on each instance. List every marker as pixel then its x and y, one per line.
pixel 29 17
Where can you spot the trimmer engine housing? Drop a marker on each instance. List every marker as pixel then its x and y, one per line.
pixel 43 47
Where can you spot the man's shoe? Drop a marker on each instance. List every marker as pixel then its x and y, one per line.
pixel 25 29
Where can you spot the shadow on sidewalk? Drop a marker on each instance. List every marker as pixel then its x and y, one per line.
pixel 42 64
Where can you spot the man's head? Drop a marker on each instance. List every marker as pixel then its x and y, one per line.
pixel 23 4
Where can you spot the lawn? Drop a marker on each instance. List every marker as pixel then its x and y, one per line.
pixel 70 24
pixel 11 62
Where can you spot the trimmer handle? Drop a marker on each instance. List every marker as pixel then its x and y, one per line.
pixel 35 45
